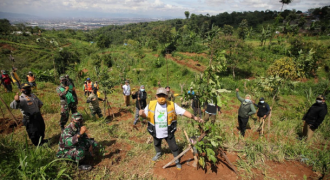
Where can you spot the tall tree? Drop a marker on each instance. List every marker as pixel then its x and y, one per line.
pixel 186 13
pixel 5 26
pixel 243 29
pixel 285 2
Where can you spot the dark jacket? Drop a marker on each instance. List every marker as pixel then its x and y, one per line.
pixel 211 106
pixel 263 109
pixel 196 103
pixel 315 115
pixel 142 103
pixel 246 109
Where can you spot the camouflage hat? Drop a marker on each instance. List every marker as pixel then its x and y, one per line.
pixel 62 78
pixel 161 91
pixel 320 97
pixel 25 85
pixel 77 116
pixel 248 95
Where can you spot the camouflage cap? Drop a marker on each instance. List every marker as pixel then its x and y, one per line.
pixel 25 85
pixel 320 97
pixel 77 116
pixel 161 91
pixel 62 78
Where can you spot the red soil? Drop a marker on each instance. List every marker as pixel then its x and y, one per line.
pixel 188 63
pixel 7 46
pixel 221 171
pixel 193 54
pixel 8 125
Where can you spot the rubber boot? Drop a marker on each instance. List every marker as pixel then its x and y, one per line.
pixel 177 162
pixel 157 156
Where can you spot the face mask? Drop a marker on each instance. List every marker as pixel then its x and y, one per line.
pixel 26 91
pixel 319 101
pixel 247 100
pixel 161 100
pixel 77 124
pixel 64 83
pixel 262 101
pixel 142 90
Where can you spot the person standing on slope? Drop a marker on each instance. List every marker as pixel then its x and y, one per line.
pixel 162 122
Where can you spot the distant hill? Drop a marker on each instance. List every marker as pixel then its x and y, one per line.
pixel 9 16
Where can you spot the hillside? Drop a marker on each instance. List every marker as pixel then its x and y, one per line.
pixel 289 69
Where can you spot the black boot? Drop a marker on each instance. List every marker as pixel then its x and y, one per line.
pixel 177 162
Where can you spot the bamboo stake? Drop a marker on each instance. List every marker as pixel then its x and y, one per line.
pixel 16 121
pixel 3 115
pixel 230 164
pixel 195 158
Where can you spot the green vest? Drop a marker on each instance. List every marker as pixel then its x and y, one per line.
pixel 244 109
pixel 69 96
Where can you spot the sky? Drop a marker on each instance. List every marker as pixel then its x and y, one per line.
pixel 146 8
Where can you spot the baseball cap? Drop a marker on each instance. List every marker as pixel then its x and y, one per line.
pixel 161 91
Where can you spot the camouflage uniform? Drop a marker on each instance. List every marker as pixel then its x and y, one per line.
pixel 72 147
pixel 94 105
pixel 170 96
pixel 66 103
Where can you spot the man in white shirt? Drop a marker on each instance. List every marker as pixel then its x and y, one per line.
pixel 162 121
pixel 127 92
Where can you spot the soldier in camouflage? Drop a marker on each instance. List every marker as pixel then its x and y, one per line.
pixel 94 103
pixel 74 143
pixel 68 100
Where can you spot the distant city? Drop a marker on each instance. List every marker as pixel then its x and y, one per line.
pixel 77 23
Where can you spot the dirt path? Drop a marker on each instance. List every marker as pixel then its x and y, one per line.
pixel 196 66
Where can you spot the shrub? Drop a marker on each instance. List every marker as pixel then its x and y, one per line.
pixel 284 68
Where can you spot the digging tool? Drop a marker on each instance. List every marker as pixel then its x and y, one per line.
pixel 230 164
pixel 190 147
pixel 87 113
pixel 3 115
pixel 185 151
pixel 192 150
pixel 16 121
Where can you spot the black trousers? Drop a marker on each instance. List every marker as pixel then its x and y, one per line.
pixel 242 124
pixel 170 141
pixel 8 87
pixel 35 127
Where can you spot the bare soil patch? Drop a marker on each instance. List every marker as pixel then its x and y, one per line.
pixel 7 125
pixel 193 54
pixel 188 63
pixel 7 46
pixel 220 171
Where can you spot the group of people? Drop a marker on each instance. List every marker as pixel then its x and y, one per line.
pixel 7 79
pixel 161 115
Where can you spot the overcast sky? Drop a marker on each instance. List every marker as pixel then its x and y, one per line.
pixel 146 8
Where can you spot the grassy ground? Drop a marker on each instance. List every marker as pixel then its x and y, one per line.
pixel 127 155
